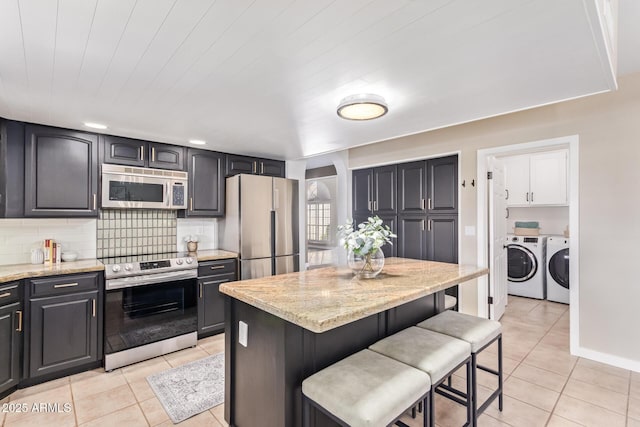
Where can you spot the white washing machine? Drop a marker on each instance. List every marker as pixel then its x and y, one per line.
pixel 526 266
pixel 558 269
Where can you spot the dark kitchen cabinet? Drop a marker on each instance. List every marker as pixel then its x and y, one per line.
pixel 255 166
pixel 206 184
pixel 442 185
pixel 442 238
pixel 11 326
pixel 412 191
pixel 65 326
pixel 412 241
pixel 61 172
pixel 374 191
pixel 11 169
pixel 134 152
pixel 211 274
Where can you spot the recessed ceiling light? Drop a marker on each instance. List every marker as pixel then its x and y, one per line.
pixel 197 142
pixel 362 107
pixel 95 125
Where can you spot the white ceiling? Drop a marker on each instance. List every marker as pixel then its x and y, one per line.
pixel 264 77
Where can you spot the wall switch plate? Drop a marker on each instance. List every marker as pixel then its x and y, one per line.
pixel 469 230
pixel 243 333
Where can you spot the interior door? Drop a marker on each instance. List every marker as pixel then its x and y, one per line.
pixel 497 237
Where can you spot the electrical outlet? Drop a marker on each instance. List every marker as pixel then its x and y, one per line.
pixel 469 230
pixel 243 333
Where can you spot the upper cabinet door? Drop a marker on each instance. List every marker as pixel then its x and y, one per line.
pixel 164 156
pixel 206 183
pixel 61 173
pixel 442 185
pixel 241 164
pixel 384 190
pixel 516 178
pixel 272 168
pixel 548 185
pixel 124 151
pixel 412 188
pixel 362 182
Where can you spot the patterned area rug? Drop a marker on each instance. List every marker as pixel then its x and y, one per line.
pixel 189 389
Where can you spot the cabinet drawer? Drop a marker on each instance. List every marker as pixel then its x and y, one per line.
pixel 217 280
pixel 9 292
pixel 63 284
pixel 210 268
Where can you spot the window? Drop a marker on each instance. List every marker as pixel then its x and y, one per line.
pixel 319 222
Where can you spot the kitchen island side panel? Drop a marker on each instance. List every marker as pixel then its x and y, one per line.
pixel 264 379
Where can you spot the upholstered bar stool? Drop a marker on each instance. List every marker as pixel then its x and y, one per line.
pixel 449 302
pixel 436 354
pixel 479 333
pixel 365 389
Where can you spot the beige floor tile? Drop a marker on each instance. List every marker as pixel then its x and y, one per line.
pixel 587 414
pixel 131 416
pixel 36 389
pixel 518 413
pixel 141 389
pixel 535 395
pixel 449 413
pixel 144 369
pixel 634 408
pixel 60 394
pixel 556 361
pixel 212 345
pixel 602 367
pixel 218 412
pixel 633 423
pixel 91 374
pixel 599 396
pixel 41 420
pixel 154 411
pixel 185 356
pixel 635 388
pixel 205 419
pixel 485 420
pixel 601 379
pixel 556 340
pixel 98 383
pixel 540 377
pixel 490 360
pixel 556 421
pixel 100 404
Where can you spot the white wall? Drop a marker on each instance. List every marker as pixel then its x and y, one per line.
pixel 205 228
pixel 609 153
pixel 19 236
pixel 553 220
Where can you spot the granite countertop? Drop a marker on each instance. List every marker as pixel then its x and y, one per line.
pixel 22 271
pixel 326 298
pixel 214 254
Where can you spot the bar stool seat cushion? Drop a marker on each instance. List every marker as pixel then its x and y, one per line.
pixel 367 389
pixel 450 302
pixel 475 330
pixel 431 352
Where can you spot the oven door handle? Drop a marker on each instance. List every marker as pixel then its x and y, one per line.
pixel 128 282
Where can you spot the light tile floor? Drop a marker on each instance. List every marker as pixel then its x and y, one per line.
pixel 544 384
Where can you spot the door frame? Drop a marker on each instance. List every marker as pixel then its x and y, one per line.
pixel 570 142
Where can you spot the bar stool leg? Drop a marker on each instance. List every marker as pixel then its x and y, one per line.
pixel 500 372
pixel 306 412
pixel 426 413
pixel 470 394
pixel 431 408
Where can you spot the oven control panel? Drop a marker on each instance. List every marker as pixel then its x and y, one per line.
pixel 141 268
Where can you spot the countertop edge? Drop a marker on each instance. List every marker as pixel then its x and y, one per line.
pixel 53 270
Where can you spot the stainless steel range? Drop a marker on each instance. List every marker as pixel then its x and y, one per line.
pixel 150 308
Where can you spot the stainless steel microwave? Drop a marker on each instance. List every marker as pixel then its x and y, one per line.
pixel 130 187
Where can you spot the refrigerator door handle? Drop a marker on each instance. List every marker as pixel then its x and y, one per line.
pixel 273 241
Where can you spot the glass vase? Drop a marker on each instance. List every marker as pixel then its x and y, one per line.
pixel 366 266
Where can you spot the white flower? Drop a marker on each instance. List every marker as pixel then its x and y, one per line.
pixel 367 237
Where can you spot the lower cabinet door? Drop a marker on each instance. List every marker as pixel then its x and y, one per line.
pixel 211 304
pixel 10 339
pixel 442 238
pixel 63 333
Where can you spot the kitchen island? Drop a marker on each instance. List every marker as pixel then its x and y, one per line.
pixel 299 323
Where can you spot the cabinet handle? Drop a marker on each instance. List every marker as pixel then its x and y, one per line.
pixel 429 224
pixel 190 203
pixel 7 294
pixel 506 191
pixel 153 154
pixel 142 153
pixel 532 196
pixel 255 167
pixel 19 313
pixel 507 209
pixel 422 203
pixel 200 290
pixel 375 205
pixel 93 307
pixel 429 203
pixel 261 168
pixel 66 285
pixel 369 205
pixel 95 201
pixel 527 196
pixel 217 267
pixel 422 225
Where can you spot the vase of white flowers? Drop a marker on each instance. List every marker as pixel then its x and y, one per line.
pixel 363 243
pixel 192 243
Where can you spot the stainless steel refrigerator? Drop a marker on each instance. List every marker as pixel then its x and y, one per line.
pixel 261 224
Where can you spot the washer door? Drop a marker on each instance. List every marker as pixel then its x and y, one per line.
pixel 559 267
pixel 522 263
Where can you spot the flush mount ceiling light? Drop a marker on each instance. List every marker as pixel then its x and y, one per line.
pixel 95 125
pixel 197 142
pixel 362 107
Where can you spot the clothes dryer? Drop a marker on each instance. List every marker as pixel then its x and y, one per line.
pixel 526 266
pixel 558 269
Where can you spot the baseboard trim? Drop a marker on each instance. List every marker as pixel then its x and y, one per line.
pixel 609 359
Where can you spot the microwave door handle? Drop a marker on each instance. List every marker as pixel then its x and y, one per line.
pixel 166 193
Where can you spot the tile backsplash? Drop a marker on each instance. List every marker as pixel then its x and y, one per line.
pixel 19 235
pixel 205 228
pixel 135 231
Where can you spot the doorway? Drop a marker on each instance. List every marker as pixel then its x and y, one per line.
pixel 486 212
